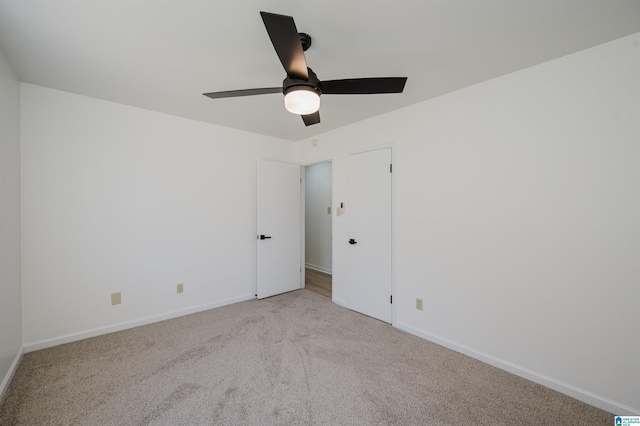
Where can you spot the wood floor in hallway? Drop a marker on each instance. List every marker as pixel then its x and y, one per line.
pixel 318 282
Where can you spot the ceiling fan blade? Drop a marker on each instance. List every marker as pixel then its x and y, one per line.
pixel 310 119
pixel 284 36
pixel 364 86
pixel 244 92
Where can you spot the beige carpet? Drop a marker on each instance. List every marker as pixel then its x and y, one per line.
pixel 293 359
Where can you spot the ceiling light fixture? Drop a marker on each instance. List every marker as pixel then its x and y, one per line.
pixel 302 100
pixel 302 88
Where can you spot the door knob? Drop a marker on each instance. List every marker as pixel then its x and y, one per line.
pixel 264 237
pixel 352 241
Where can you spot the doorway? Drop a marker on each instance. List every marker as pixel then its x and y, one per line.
pixel 318 228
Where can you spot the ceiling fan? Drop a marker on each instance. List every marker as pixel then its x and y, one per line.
pixel 301 87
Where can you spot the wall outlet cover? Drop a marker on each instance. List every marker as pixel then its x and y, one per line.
pixel 116 298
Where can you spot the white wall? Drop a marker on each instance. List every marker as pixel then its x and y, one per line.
pixel 317 218
pixel 10 295
pixel 517 220
pixel 120 199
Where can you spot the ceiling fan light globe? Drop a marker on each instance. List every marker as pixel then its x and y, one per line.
pixel 302 101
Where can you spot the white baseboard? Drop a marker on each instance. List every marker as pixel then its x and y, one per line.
pixel 557 385
pixel 12 370
pixel 43 344
pixel 340 302
pixel 318 268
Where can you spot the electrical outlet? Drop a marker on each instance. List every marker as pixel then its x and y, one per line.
pixel 180 288
pixel 418 304
pixel 116 298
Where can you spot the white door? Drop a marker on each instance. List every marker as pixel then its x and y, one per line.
pixel 278 228
pixel 369 220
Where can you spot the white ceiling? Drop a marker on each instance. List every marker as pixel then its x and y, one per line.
pixel 162 55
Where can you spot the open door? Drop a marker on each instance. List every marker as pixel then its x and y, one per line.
pixel 278 228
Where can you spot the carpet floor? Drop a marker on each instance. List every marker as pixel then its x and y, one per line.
pixel 293 359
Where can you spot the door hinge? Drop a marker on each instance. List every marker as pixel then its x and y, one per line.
pixel 391 299
pixel 390 168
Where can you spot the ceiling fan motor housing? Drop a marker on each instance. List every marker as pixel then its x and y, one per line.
pixel 289 84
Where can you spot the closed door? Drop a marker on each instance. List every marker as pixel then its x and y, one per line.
pixel 369 221
pixel 278 222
